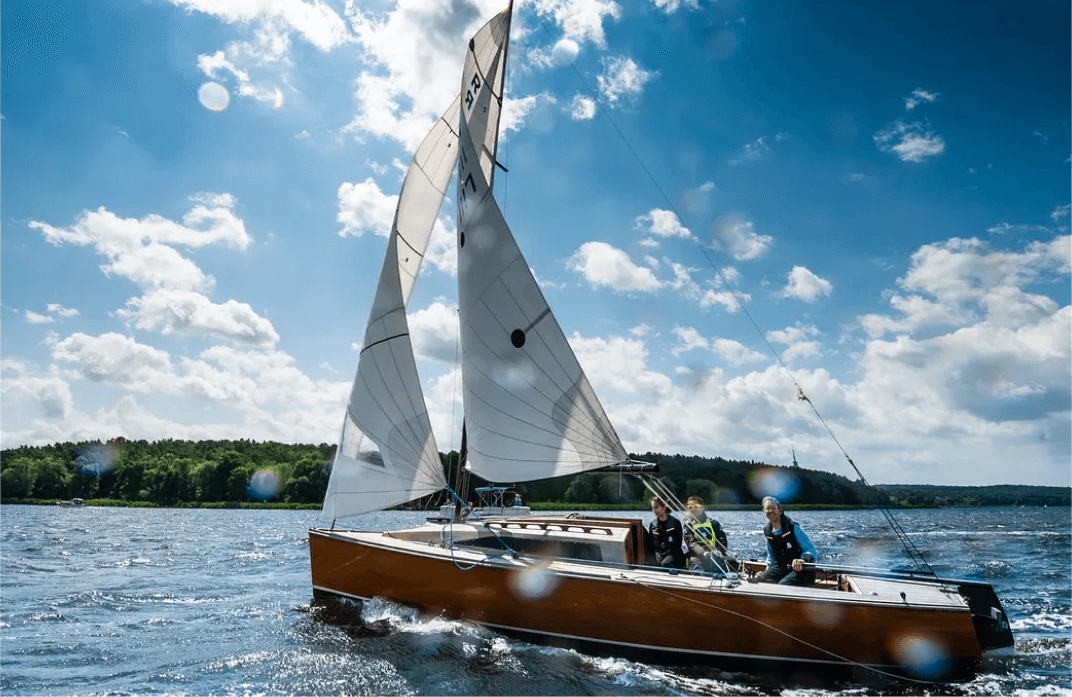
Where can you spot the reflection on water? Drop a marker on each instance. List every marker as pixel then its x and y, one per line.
pixel 101 600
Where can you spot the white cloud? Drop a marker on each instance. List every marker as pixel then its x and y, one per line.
pixel 60 310
pixel 739 239
pixel 37 318
pixel 724 298
pixel 671 6
pixel 315 21
pixel 582 108
pixel 662 223
pixel 141 251
pixel 919 96
pixel 1059 212
pixel 697 201
pixel 420 48
pixel 516 110
pixel 805 285
pixel 752 151
pixel 363 207
pixel 116 359
pixel 799 339
pixel 911 142
pixel 622 80
pixel 618 364
pixel 442 247
pixel 690 339
pixel 434 333
pixel 735 352
pixel 185 312
pixel 212 65
pixel 580 20
pixel 604 265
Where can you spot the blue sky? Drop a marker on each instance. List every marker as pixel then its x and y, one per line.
pixel 196 196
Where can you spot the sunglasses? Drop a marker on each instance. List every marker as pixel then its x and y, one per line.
pixel 693 506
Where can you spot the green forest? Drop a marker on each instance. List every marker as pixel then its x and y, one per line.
pixel 243 472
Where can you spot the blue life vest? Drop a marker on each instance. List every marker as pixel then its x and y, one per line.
pixel 784 546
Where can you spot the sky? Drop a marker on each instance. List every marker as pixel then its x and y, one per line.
pixel 722 201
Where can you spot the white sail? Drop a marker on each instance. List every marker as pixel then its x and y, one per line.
pixel 387 454
pixel 530 411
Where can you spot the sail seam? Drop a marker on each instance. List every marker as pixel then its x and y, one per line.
pixel 381 341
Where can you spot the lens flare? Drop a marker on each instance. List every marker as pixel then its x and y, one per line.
pixel 774 482
pixel 922 656
pixel 534 582
pixel 263 485
pixel 214 96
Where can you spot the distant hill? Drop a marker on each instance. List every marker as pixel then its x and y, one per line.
pixel 179 472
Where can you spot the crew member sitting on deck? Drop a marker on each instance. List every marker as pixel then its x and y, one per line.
pixel 705 539
pixel 788 548
pixel 666 535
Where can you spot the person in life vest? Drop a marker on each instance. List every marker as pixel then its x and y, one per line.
pixel 705 539
pixel 788 548
pixel 666 536
pixel 518 501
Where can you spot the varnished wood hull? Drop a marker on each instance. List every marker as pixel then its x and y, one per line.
pixel 668 619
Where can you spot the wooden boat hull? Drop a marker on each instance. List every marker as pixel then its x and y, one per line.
pixel 662 618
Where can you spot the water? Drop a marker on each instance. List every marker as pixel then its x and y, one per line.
pixel 149 601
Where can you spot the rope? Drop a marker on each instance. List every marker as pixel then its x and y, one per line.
pixel 913 552
pixel 839 657
pixel 509 550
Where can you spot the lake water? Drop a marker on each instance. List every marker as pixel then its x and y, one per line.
pixel 149 601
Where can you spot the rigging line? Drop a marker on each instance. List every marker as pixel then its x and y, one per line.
pixel 839 657
pixel 736 296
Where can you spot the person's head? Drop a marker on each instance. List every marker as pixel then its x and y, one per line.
pixel 695 505
pixel 772 508
pixel 659 507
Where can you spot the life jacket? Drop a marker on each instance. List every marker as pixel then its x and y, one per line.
pixel 784 546
pixel 705 531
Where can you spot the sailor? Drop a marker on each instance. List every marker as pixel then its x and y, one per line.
pixel 666 535
pixel 705 539
pixel 518 501
pixel 788 548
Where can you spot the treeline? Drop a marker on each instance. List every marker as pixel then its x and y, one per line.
pixel 174 472
pixel 168 472
pixel 998 495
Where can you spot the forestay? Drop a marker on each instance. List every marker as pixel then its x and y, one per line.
pixel 387 454
pixel 529 408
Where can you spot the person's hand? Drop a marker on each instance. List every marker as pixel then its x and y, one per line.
pixel 798 565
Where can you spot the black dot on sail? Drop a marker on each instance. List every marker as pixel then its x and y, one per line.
pixel 517 338
pixel 461 239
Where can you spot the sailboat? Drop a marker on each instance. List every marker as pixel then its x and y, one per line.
pixel 530 413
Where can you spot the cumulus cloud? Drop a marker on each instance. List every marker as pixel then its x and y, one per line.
pixel 622 80
pixel 37 318
pixel 417 51
pixel 363 207
pixel 739 239
pixel 174 300
pixel 911 142
pixel 315 21
pixel 662 223
pixel 434 332
pixel 919 96
pixel 516 110
pixel 961 281
pixel 582 108
pixel 61 311
pixel 805 285
pixel 580 20
pixel 671 6
pixel 1059 212
pixel 604 265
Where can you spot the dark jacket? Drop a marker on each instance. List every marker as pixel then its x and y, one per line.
pixel 790 543
pixel 666 540
pixel 704 534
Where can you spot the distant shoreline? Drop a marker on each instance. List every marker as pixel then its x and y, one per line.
pixel 638 506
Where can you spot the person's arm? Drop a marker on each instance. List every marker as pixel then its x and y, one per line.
pixel 807 550
pixel 721 542
pixel 770 554
pixel 689 536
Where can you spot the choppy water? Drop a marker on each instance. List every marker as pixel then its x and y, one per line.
pixel 119 601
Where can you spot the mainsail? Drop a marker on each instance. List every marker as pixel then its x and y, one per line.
pixel 529 408
pixel 387 454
